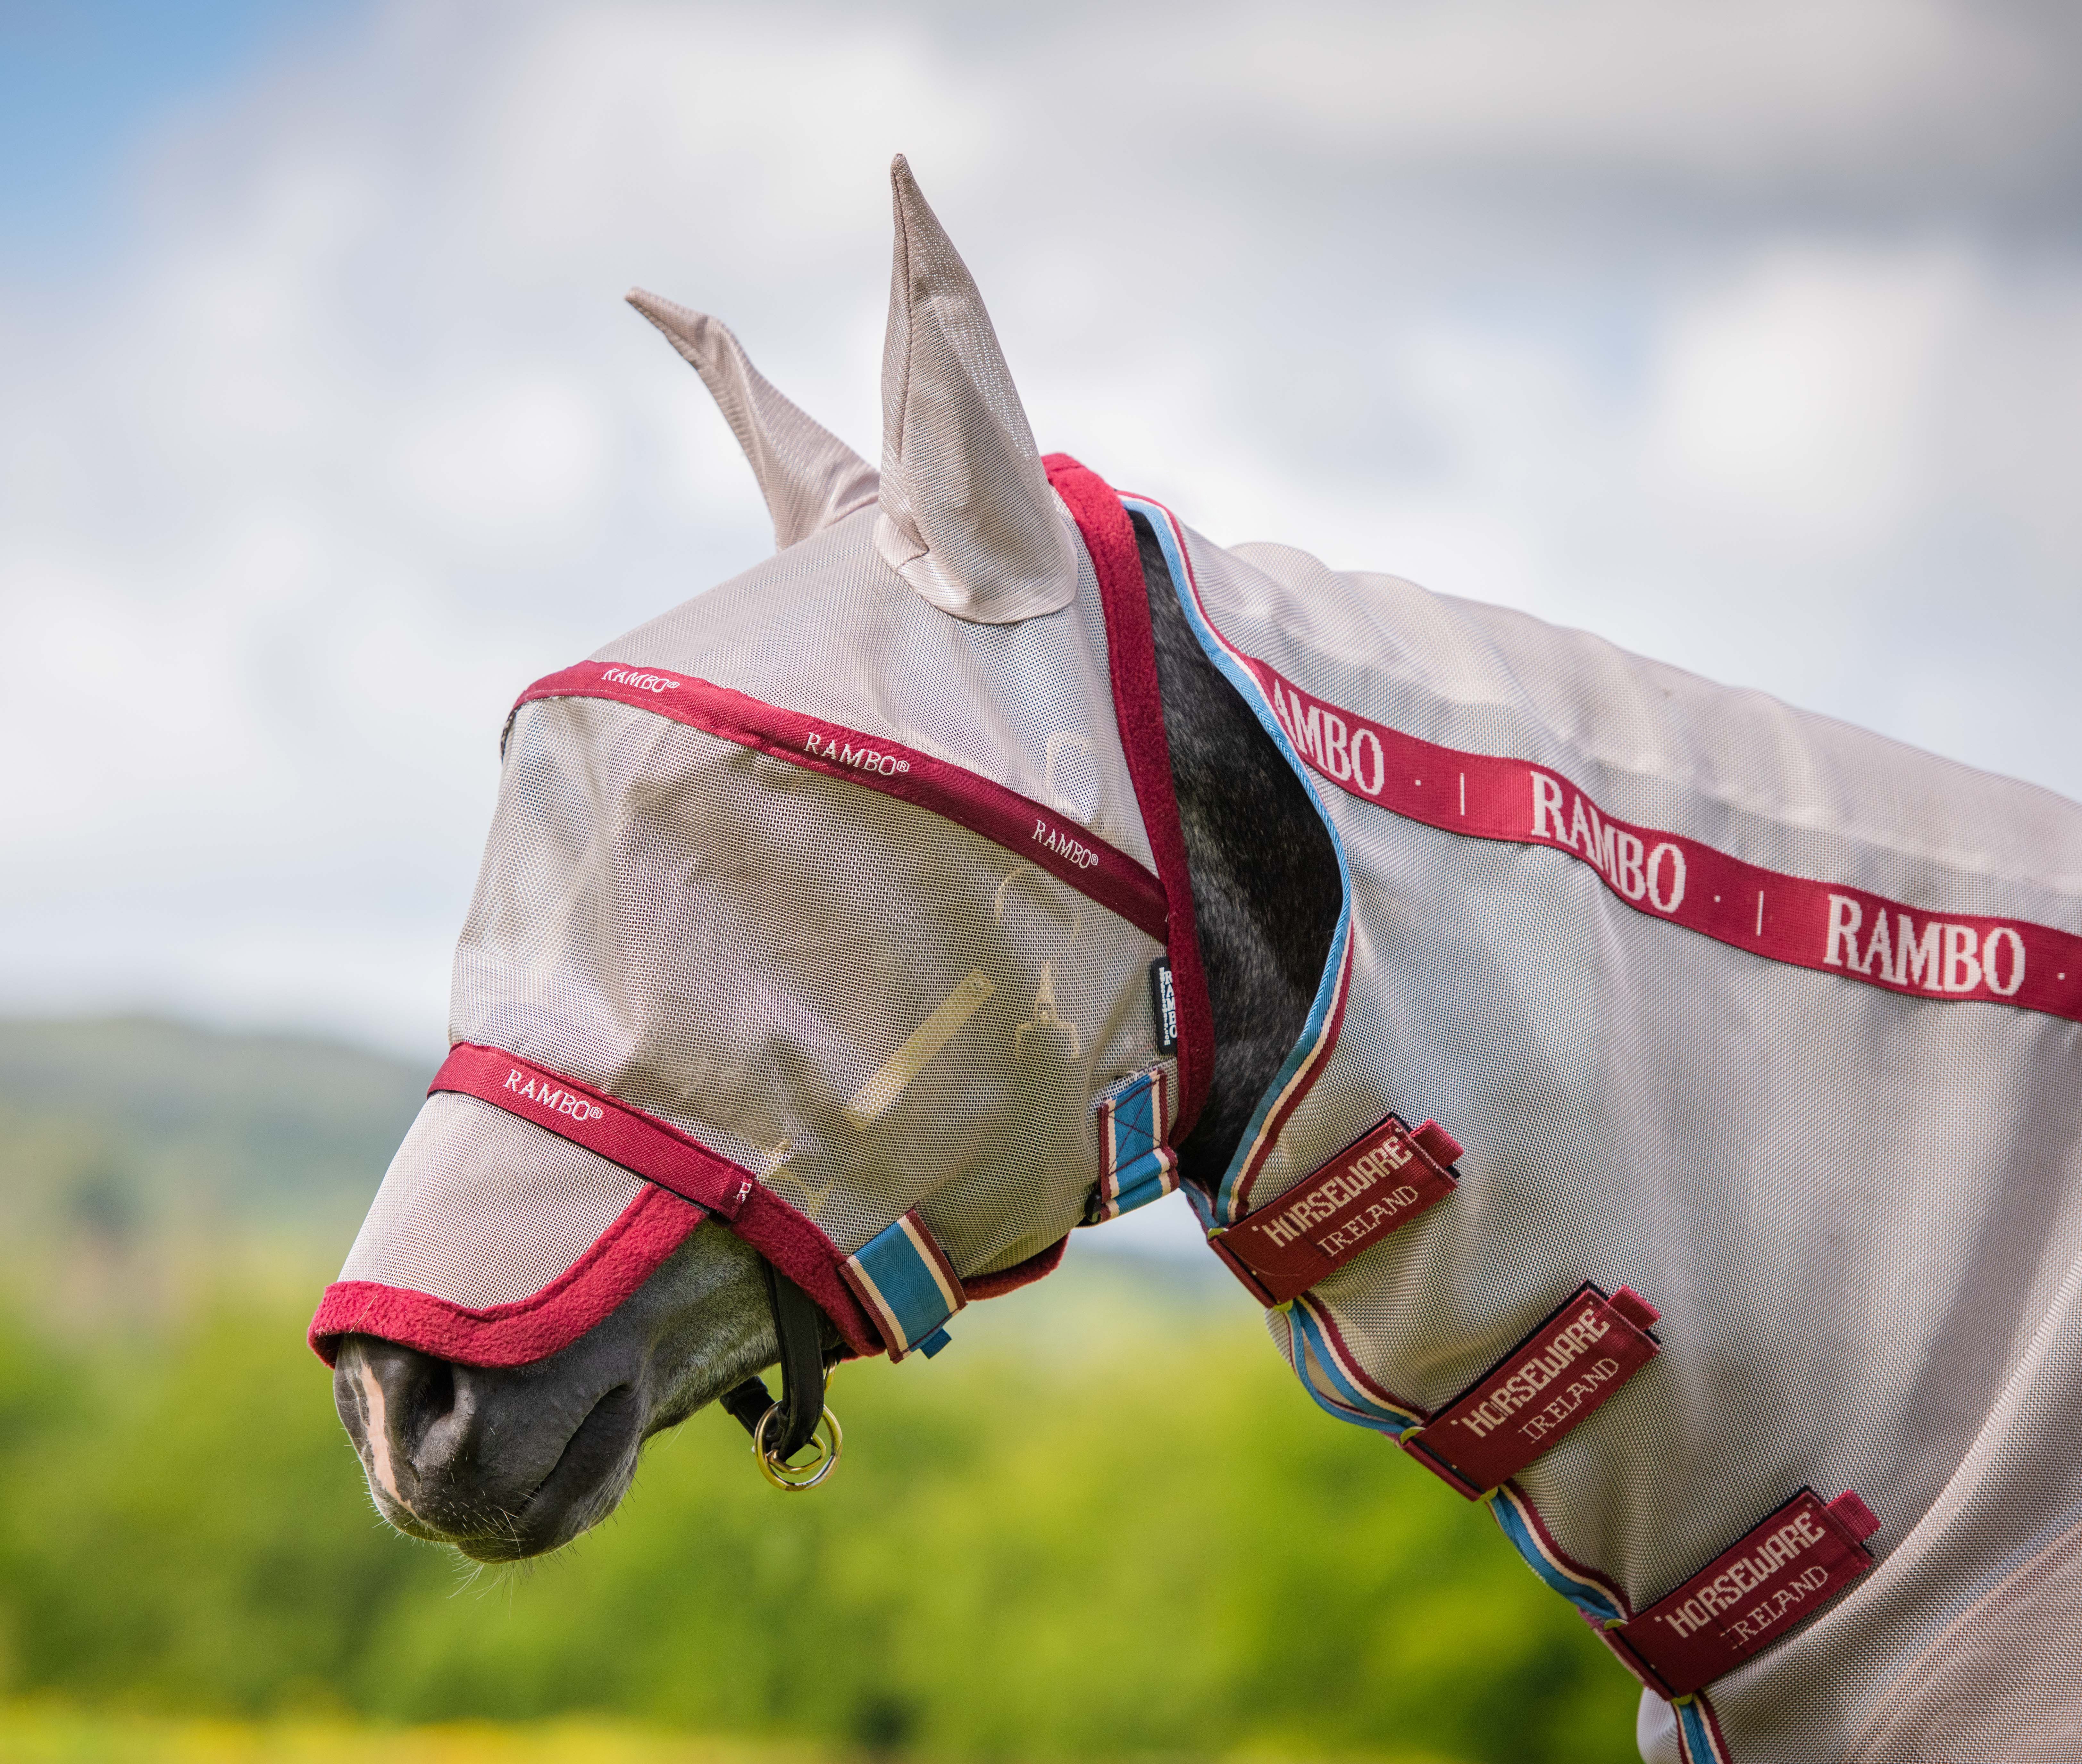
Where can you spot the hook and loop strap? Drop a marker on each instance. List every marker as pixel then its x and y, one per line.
pixel 905 1282
pixel 1135 1166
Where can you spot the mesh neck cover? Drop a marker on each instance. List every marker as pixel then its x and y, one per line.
pixel 1777 1023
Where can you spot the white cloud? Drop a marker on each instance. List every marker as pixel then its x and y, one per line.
pixel 1803 393
pixel 1851 88
pixel 350 437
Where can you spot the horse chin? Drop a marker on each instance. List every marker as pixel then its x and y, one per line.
pixel 506 1463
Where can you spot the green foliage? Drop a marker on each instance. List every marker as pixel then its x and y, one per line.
pixel 1108 1523
pixel 1146 1543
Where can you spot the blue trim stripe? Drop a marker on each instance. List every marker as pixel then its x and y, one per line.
pixel 1587 1596
pixel 1135 1166
pixel 1312 1352
pixel 1697 1733
pixel 1173 545
pixel 901 1278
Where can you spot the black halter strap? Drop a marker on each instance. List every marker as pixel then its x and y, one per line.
pixel 798 1327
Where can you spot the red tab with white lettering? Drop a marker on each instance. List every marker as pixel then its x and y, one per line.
pixel 1552 1381
pixel 1777 1578
pixel 592 1118
pixel 1376 1185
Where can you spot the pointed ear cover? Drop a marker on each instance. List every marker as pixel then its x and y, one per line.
pixel 967 517
pixel 808 476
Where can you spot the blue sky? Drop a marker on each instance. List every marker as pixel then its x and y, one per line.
pixel 1750 337
pixel 84 88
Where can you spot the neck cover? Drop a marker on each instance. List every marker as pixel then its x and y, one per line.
pixel 1771 1020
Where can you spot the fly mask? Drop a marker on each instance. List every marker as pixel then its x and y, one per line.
pixel 834 905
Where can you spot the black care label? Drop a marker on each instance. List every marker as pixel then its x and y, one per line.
pixel 1163 1003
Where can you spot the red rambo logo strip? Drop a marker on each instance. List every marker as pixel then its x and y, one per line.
pixel 1376 1185
pixel 1552 1382
pixel 1777 1578
pixel 1028 829
pixel 1788 919
pixel 587 1117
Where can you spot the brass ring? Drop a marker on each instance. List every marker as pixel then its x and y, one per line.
pixel 795 1478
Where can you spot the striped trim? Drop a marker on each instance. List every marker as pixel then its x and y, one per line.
pixel 1304 1065
pixel 908 1285
pixel 1329 1375
pixel 1699 1734
pixel 1528 1531
pixel 1135 1166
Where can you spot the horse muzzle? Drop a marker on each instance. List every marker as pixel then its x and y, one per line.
pixel 502 1462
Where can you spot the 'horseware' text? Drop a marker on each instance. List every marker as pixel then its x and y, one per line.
pixel 1537 1373
pixel 1556 1379
pixel 1380 1181
pixel 1783 1572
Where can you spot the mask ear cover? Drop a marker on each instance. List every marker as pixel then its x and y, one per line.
pixel 808 476
pixel 966 516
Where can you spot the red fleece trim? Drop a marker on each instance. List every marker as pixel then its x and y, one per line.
pixel 640 1143
pixel 1030 831
pixel 1020 1273
pixel 1108 536
pixel 622 1257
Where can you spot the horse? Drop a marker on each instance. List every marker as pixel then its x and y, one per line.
pixel 1648 1107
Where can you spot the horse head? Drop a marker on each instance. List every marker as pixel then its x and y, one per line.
pixel 833 956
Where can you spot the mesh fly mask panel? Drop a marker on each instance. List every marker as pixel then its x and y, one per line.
pixel 869 926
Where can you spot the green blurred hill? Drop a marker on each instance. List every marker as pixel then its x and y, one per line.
pixel 130 1129
pixel 1106 1524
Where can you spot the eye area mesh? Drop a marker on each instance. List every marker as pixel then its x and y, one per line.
pixel 866 1004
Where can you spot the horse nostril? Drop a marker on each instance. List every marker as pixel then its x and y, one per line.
pixel 427 1398
pixel 408 1412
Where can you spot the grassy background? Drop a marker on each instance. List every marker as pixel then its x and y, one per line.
pixel 1107 1524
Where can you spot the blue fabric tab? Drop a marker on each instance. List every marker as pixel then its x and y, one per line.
pixel 908 1285
pixel 1135 1166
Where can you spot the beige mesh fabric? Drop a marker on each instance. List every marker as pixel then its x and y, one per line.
pixel 532 1203
pixel 966 513
pixel 1860 1213
pixel 808 476
pixel 865 1003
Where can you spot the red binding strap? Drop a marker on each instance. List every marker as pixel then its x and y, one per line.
pixel 1822 925
pixel 1108 536
pixel 1028 829
pixel 640 1143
